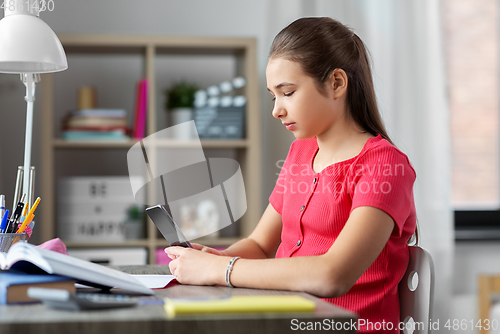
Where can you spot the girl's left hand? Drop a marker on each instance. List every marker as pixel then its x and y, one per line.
pixel 191 266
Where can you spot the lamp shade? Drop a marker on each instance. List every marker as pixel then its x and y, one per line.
pixel 28 45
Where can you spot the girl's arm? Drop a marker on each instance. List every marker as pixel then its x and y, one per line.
pixel 261 244
pixel 329 275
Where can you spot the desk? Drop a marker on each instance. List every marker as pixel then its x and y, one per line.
pixel 145 319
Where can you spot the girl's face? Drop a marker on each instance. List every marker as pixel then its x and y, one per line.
pixel 297 102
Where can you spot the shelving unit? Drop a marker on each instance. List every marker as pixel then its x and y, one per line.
pixel 148 49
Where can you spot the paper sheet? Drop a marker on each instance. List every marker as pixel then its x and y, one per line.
pixel 155 281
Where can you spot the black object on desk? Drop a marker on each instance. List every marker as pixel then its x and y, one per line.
pixel 62 299
pixel 168 228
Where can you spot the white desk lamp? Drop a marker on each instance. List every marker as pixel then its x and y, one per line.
pixel 28 47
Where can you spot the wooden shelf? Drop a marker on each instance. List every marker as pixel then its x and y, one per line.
pixel 126 243
pixel 210 242
pixel 215 143
pixel 62 143
pixel 145 51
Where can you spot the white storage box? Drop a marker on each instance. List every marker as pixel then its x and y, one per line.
pixel 133 256
pixel 90 229
pixel 89 188
pixel 95 209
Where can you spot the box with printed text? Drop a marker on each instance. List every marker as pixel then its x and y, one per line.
pixel 98 209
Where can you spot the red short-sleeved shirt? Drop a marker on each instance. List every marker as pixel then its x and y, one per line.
pixel 315 207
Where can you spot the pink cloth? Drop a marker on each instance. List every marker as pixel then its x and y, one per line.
pixel 55 245
pixel 28 232
pixel 162 257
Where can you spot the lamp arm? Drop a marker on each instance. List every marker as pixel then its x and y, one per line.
pixel 29 80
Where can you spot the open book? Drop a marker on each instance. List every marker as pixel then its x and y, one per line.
pixel 30 259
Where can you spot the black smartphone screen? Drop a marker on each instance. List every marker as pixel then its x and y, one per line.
pixel 167 227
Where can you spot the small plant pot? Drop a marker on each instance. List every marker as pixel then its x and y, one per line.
pixel 178 116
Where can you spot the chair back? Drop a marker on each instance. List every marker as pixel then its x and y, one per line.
pixel 416 291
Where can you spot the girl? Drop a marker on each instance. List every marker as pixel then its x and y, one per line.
pixel 342 210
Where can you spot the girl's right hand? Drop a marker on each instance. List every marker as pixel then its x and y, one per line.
pixel 208 249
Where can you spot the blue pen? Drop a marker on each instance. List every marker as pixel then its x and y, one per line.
pixel 3 225
pixel 2 205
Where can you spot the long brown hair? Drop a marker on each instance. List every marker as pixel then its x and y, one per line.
pixel 320 45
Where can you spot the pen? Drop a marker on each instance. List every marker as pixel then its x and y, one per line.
pixel 25 210
pixel 3 225
pixel 15 216
pixel 25 223
pixel 29 218
pixel 31 191
pixel 22 218
pixel 34 207
pixel 2 205
pixel 19 180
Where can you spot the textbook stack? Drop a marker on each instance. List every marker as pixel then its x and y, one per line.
pixel 14 285
pixel 29 259
pixel 95 124
pixel 95 209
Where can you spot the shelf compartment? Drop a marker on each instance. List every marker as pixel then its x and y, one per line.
pixel 61 143
pixel 210 242
pixel 126 243
pixel 237 143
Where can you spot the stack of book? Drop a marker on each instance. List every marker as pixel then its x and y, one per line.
pixel 95 124
pixel 26 265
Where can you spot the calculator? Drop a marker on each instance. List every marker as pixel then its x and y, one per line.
pixel 62 299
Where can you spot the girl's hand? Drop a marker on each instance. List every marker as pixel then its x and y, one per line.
pixel 208 249
pixel 192 266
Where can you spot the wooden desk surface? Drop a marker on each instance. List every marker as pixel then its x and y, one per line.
pixel 151 318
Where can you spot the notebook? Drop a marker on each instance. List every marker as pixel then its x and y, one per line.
pixel 239 304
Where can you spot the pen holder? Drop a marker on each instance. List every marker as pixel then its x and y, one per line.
pixel 8 239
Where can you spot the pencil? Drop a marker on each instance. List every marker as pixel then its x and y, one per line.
pixel 33 207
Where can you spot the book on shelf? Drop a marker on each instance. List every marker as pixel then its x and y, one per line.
pixel 14 285
pixel 101 112
pixel 98 128
pixel 141 98
pixel 95 124
pixel 30 259
pixel 94 135
pixel 93 121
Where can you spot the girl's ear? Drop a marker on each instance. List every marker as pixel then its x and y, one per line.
pixel 338 81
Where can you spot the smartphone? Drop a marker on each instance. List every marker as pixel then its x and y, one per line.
pixel 166 225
